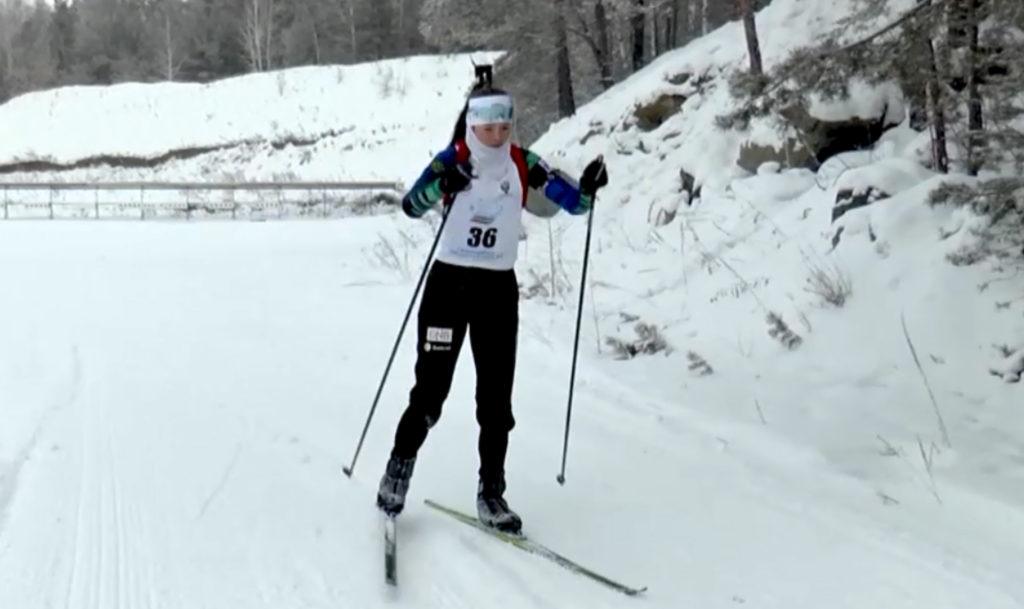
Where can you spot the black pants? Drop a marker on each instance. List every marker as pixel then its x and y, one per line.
pixel 486 303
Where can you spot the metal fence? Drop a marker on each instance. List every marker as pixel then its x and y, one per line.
pixel 187 200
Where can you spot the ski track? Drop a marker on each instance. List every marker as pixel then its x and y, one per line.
pixel 11 473
pixel 108 569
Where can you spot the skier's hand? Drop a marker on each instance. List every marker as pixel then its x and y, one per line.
pixel 456 178
pixel 595 176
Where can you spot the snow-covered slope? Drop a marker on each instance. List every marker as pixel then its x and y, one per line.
pixel 372 121
pixel 754 245
pixel 896 387
pixel 178 400
pixel 690 139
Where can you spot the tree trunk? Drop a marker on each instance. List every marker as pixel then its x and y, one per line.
pixel 314 25
pixel 353 32
pixel 936 113
pixel 257 35
pixel 252 34
pixel 750 28
pixel 169 72
pixel 8 24
pixel 673 31
pixel 604 45
pixel 668 27
pixel 317 56
pixel 638 35
pixel 655 38
pixel 399 43
pixel 705 18
pixel 268 36
pixel 975 119
pixel 655 46
pixel 566 100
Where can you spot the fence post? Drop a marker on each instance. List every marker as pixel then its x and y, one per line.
pixel 96 201
pixel 6 194
pixel 51 201
pixel 142 202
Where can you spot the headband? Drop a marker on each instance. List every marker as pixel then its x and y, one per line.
pixel 489 109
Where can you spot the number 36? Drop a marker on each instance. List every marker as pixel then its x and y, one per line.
pixel 478 235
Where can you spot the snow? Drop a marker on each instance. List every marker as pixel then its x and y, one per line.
pixel 867 102
pixel 361 122
pixel 178 399
pixel 205 384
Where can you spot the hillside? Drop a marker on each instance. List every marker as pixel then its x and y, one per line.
pixel 364 122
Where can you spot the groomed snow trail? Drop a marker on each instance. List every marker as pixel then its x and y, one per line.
pixel 179 399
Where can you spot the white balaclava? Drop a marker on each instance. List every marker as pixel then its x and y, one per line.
pixel 496 108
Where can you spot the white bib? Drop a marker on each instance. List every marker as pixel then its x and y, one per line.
pixel 484 222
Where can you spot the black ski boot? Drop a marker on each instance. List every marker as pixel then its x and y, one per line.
pixel 493 510
pixel 395 484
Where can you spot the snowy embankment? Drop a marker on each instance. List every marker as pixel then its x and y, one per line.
pixel 178 399
pixel 921 409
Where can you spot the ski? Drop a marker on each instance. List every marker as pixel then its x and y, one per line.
pixel 390 551
pixel 528 545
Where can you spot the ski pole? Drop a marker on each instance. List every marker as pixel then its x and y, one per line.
pixel 398 340
pixel 576 342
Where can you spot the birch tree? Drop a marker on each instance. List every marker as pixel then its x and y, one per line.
pixel 258 33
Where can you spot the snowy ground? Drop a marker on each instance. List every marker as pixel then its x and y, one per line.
pixel 179 400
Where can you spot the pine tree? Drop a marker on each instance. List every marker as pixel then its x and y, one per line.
pixel 214 44
pixel 63 28
pixel 995 102
pixel 950 69
pixel 15 16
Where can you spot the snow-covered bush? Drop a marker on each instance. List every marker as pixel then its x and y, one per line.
pixel 1001 203
pixel 1010 365
pixel 780 331
pixel 648 341
pixel 698 365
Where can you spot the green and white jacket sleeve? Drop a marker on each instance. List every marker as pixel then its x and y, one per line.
pixel 557 188
pixel 426 192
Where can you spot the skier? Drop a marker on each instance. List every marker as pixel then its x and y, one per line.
pixel 483 180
